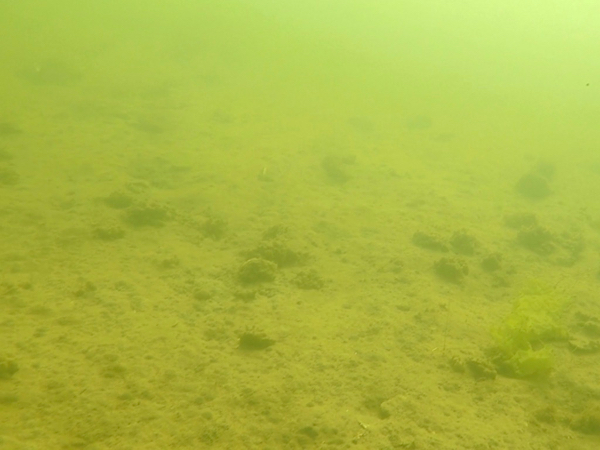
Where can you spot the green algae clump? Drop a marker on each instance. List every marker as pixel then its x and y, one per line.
pixel 521 342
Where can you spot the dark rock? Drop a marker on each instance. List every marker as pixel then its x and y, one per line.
pixel 533 186
pixel 451 270
pixel 429 242
pixel 253 342
pixel 257 270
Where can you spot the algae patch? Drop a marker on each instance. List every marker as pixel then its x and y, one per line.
pixel 521 341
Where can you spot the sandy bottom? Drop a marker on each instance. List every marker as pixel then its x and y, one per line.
pixel 177 272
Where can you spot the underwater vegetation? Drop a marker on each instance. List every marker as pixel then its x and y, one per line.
pixel 521 341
